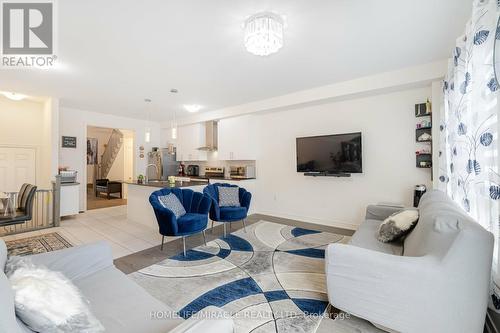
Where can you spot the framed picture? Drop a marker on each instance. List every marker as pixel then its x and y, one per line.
pixel 68 142
pixel 92 145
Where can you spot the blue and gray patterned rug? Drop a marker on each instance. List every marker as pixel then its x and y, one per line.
pixel 270 278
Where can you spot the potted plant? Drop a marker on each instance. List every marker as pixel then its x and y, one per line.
pixel 140 179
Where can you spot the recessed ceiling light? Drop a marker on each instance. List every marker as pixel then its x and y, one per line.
pixel 193 107
pixel 13 96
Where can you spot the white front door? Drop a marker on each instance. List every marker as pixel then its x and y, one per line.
pixel 17 166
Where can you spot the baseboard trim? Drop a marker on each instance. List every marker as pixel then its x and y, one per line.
pixel 302 224
pixel 322 222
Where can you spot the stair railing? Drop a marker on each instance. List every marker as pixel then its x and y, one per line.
pixel 113 147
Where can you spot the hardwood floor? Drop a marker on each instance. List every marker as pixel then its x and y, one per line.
pixel 94 202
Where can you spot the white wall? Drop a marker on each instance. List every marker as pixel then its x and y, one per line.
pixel 74 123
pixel 30 123
pixel 387 123
pixel 128 160
pixel 50 141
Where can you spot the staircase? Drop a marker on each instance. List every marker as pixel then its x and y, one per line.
pixel 114 145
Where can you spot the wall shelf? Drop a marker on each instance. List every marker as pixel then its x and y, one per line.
pixel 424 115
pixel 424 160
pixel 421 131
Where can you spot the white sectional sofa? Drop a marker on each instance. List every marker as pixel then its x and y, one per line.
pixel 437 280
pixel 120 304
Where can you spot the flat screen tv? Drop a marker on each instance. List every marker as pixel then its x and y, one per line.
pixel 330 154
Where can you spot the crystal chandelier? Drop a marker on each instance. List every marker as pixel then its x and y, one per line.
pixel 264 33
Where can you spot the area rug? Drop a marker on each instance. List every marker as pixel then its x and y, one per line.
pixel 269 278
pixel 37 244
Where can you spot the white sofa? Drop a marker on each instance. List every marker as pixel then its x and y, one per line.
pixel 436 281
pixel 121 305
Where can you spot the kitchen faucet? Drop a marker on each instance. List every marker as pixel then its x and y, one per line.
pixel 157 171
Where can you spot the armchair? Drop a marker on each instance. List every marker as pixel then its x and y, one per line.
pixel 195 220
pixel 108 187
pixel 228 214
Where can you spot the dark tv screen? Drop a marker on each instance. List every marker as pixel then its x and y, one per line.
pixel 340 153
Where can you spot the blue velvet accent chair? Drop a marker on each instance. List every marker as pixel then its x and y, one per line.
pixel 228 214
pixel 197 206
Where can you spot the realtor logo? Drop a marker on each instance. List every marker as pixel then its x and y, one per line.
pixel 27 29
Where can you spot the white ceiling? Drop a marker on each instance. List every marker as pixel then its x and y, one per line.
pixel 116 53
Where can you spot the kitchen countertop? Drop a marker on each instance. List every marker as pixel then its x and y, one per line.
pixel 163 184
pixel 215 178
pixel 70 184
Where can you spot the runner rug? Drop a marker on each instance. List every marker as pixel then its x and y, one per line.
pixel 37 244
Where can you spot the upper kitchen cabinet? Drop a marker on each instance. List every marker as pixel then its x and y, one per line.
pixel 237 138
pixel 189 139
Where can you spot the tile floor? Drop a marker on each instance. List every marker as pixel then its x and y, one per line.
pixel 127 237
pixel 110 224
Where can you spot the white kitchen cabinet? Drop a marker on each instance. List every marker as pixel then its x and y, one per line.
pixel 69 199
pixel 189 139
pixel 237 138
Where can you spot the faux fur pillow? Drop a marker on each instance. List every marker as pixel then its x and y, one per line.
pixel 46 301
pixel 397 225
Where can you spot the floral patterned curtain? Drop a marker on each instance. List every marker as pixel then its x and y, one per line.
pixel 468 154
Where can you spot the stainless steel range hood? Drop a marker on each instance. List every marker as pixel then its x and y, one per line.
pixel 210 136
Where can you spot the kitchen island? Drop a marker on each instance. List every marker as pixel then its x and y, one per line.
pixel 139 209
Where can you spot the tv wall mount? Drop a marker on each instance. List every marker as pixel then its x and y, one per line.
pixel 327 174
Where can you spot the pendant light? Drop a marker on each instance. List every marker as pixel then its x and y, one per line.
pixel 147 130
pixel 173 126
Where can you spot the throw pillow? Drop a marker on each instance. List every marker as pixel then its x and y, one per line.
pixel 397 225
pixel 229 196
pixel 46 301
pixel 171 202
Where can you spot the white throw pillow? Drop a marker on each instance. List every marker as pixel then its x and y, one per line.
pixel 229 196
pixel 171 202
pixel 46 301
pixel 397 225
